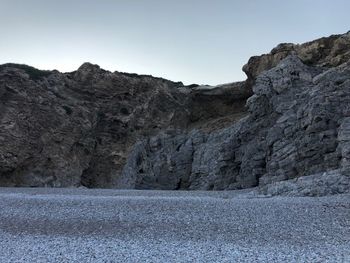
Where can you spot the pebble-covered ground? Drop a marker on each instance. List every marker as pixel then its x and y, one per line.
pixel 80 225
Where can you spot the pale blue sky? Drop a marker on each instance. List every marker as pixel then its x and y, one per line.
pixel 194 41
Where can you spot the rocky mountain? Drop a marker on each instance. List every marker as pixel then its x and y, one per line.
pixel 286 129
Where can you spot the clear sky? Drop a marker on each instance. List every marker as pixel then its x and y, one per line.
pixel 194 41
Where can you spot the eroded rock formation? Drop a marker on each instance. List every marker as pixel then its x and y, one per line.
pixel 289 120
pixel 78 128
pixel 297 125
pixel 324 52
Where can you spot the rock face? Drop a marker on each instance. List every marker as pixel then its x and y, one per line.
pixel 297 125
pixel 78 128
pixel 327 183
pixel 325 52
pixel 289 120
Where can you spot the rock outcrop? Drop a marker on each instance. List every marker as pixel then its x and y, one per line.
pixel 325 52
pixel 321 184
pixel 297 125
pixel 289 120
pixel 78 128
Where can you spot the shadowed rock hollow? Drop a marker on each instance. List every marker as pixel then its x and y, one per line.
pixel 96 128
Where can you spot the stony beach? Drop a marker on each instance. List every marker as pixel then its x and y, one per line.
pixel 82 225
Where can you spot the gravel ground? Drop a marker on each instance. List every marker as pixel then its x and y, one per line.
pixel 80 225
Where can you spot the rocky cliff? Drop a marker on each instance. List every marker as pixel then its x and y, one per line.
pixel 297 126
pixel 71 129
pixel 290 120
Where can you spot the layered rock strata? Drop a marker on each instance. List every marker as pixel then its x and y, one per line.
pixel 298 125
pixel 95 128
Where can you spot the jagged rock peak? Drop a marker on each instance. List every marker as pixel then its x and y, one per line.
pixel 325 52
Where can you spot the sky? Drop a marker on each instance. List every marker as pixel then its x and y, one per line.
pixel 194 41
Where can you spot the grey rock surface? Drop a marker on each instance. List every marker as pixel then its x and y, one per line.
pixel 327 183
pixel 94 225
pixel 95 128
pixel 298 125
pixel 326 52
pixel 78 128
